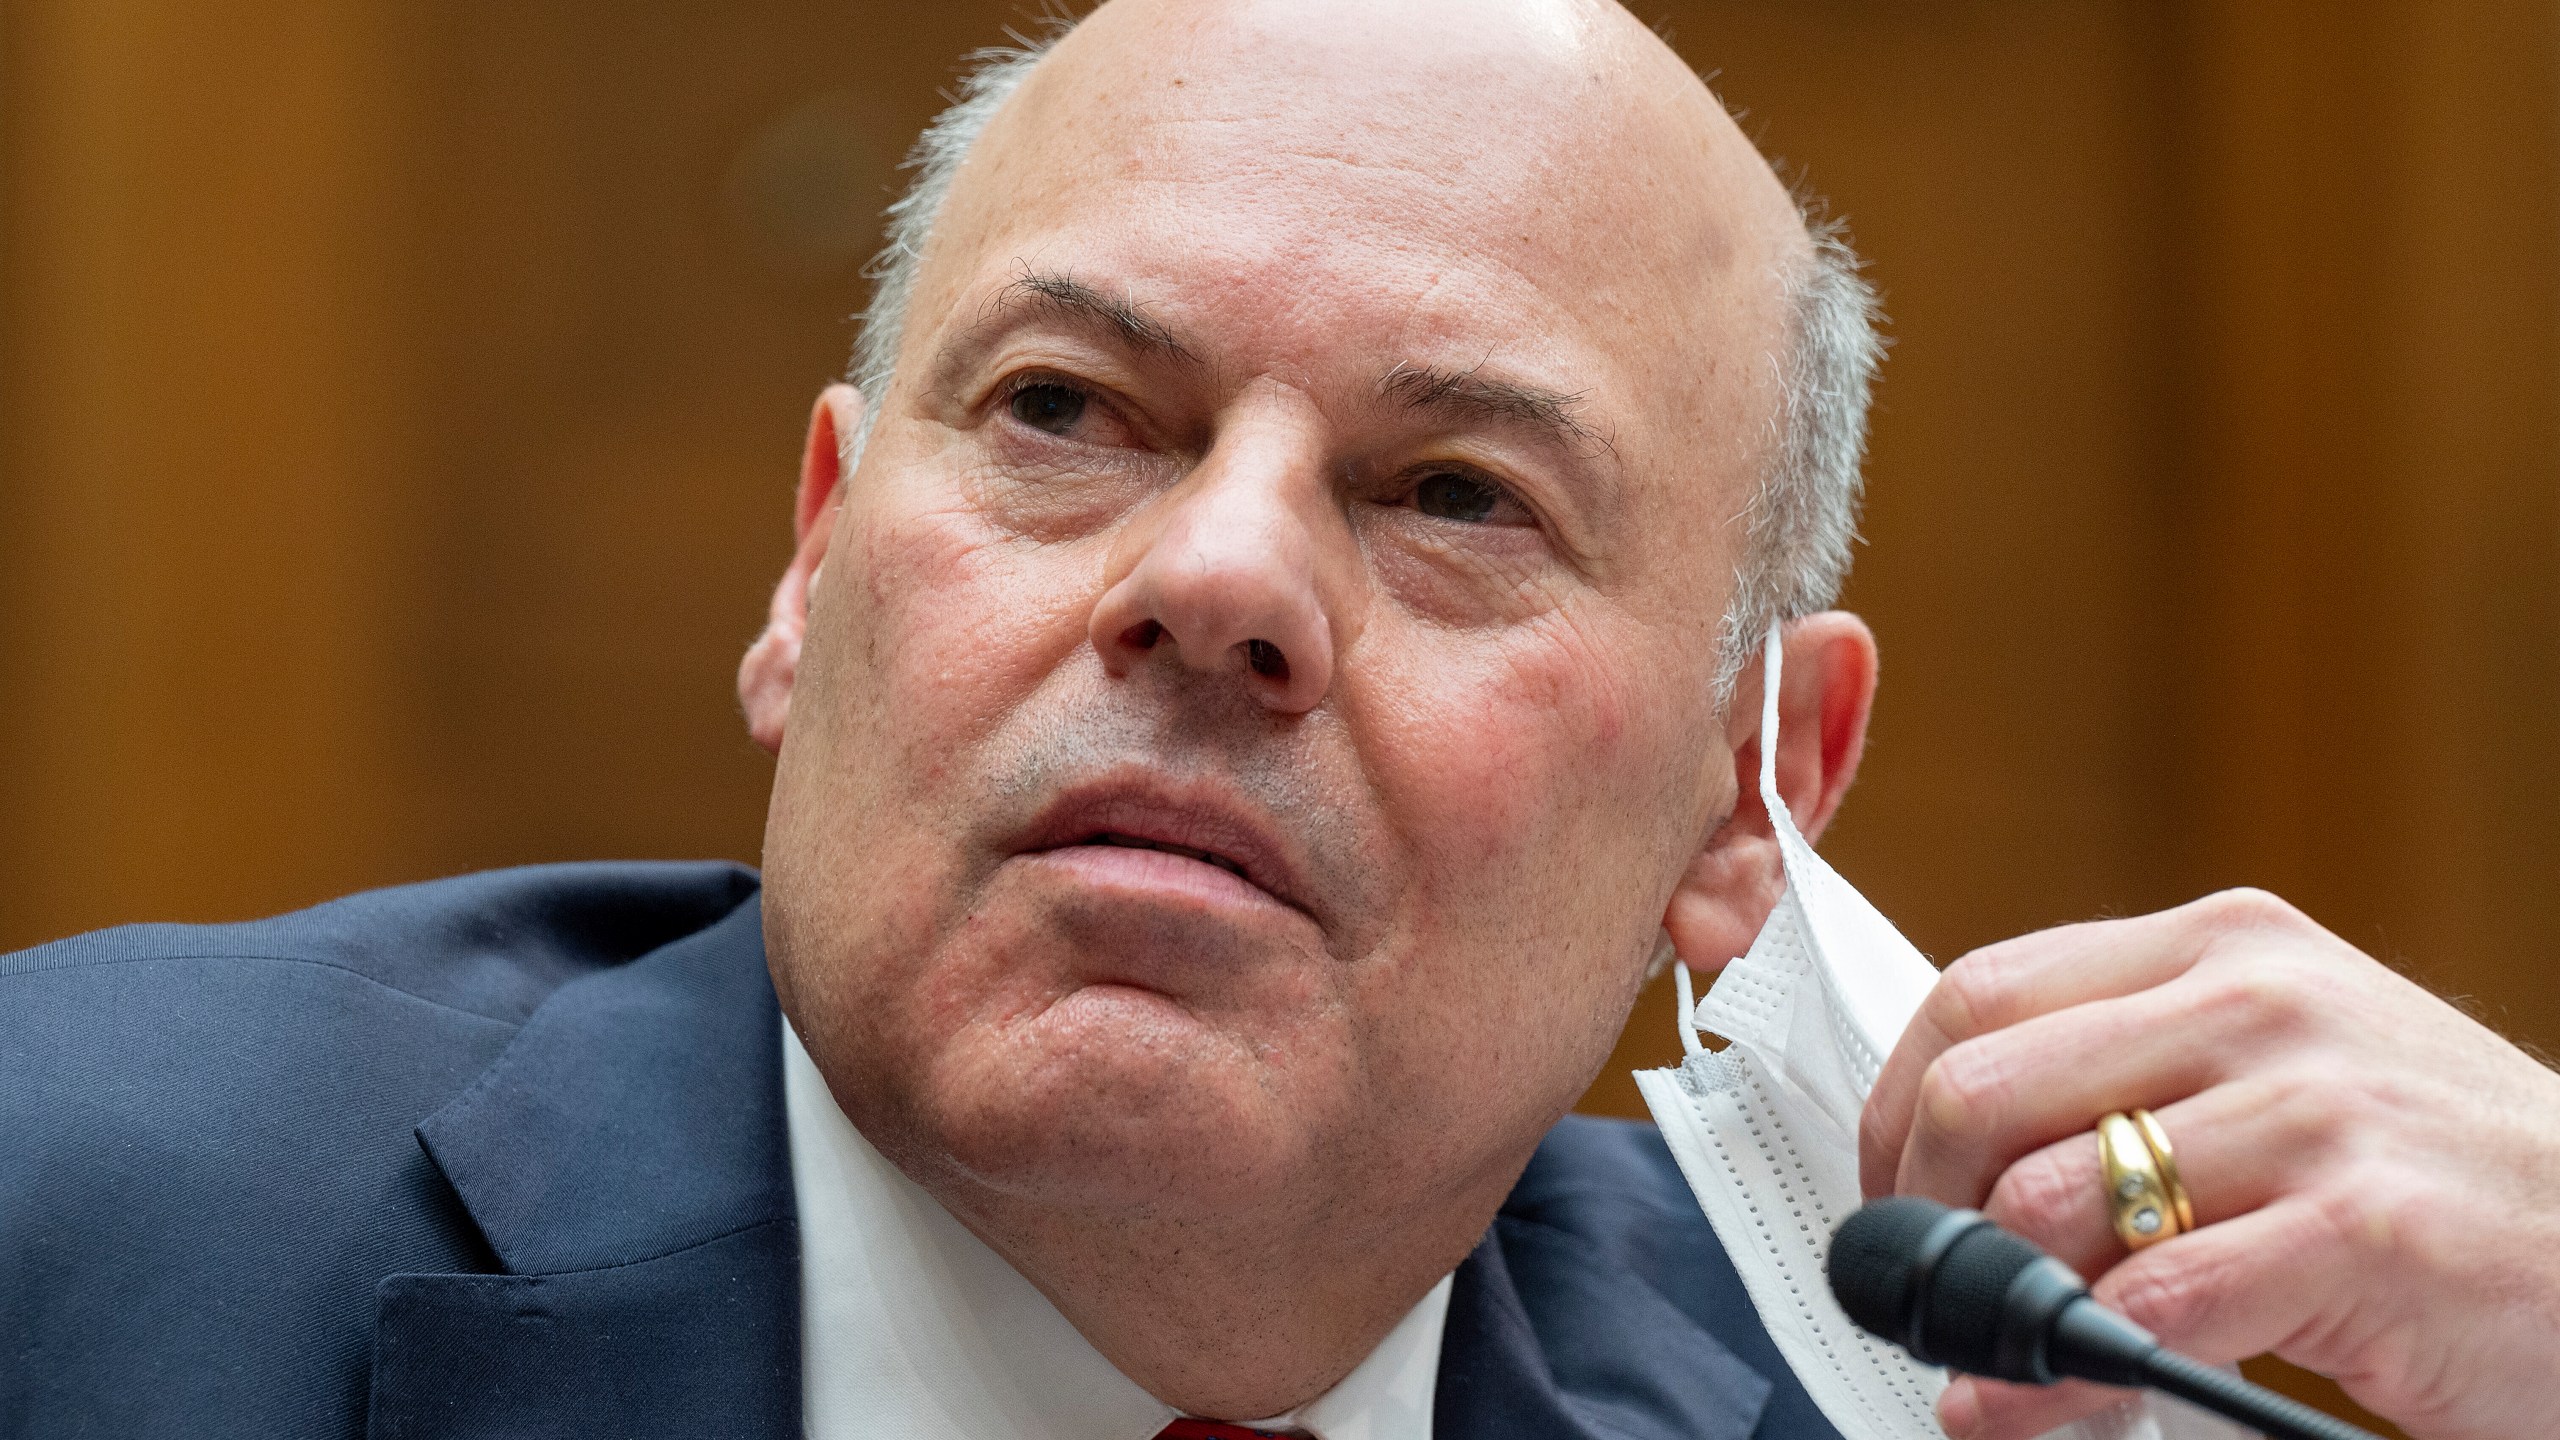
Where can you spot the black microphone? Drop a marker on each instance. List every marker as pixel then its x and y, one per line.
pixel 1956 1290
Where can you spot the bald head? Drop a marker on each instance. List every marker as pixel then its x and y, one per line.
pixel 1555 139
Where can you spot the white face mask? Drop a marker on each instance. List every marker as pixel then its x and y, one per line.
pixel 1766 1131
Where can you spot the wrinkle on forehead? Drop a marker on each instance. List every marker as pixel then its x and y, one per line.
pixel 1549 159
pixel 1530 119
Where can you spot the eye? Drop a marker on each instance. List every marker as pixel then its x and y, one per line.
pixel 1048 406
pixel 1456 495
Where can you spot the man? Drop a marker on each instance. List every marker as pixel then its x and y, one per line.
pixel 1262 671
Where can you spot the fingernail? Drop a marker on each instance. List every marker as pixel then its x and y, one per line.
pixel 1960 1410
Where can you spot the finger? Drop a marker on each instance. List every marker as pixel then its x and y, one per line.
pixel 1996 1097
pixel 2220 1294
pixel 2243 1287
pixel 1973 1408
pixel 2238 1146
pixel 2002 984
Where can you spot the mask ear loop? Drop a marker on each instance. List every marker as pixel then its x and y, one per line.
pixel 1774 665
pixel 1773 655
pixel 1690 1044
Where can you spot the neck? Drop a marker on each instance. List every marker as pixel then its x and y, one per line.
pixel 1234 1317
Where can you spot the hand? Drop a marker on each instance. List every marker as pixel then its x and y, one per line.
pixel 2375 1177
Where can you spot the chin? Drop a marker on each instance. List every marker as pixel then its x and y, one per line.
pixel 1117 1098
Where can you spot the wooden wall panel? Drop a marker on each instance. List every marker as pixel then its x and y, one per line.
pixel 196 698
pixel 2374 481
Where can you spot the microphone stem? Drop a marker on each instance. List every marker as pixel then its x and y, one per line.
pixel 2228 1395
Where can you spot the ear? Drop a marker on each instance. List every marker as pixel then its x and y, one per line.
pixel 772 664
pixel 1828 687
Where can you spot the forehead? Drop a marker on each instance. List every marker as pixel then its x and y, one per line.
pixel 1337 189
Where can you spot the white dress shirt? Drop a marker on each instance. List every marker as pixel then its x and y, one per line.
pixel 911 1326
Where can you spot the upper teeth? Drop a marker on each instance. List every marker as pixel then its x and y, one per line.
pixel 1167 846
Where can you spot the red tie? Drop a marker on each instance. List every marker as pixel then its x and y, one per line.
pixel 1188 1429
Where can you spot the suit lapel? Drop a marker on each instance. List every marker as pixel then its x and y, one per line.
pixel 1548 1339
pixel 626 1160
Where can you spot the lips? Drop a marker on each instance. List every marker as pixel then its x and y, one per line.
pixel 1206 857
pixel 1201 822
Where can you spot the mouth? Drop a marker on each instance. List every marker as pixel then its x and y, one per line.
pixel 1140 842
pixel 1218 846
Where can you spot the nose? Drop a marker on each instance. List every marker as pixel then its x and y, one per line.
pixel 1225 572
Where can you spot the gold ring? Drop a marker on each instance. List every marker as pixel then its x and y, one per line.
pixel 2138 1198
pixel 2167 1160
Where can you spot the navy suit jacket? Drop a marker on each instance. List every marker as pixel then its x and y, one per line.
pixel 505 1155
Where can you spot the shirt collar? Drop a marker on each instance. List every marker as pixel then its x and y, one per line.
pixel 910 1325
pixel 1389 1396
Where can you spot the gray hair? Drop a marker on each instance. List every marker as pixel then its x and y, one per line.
pixel 992 77
pixel 1803 518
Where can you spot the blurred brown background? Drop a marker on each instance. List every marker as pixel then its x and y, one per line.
pixel 399 406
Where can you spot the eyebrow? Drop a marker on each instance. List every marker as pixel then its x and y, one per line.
pixel 1463 395
pixel 1071 299
pixel 1467 395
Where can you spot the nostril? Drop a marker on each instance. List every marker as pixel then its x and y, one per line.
pixel 1266 659
pixel 1143 635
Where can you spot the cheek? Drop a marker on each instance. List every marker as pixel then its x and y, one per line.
pixel 1530 775
pixel 1505 744
pixel 937 630
pixel 953 624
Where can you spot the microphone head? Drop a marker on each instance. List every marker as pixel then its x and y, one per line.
pixel 1968 1304
pixel 1875 1264
pixel 1950 1287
